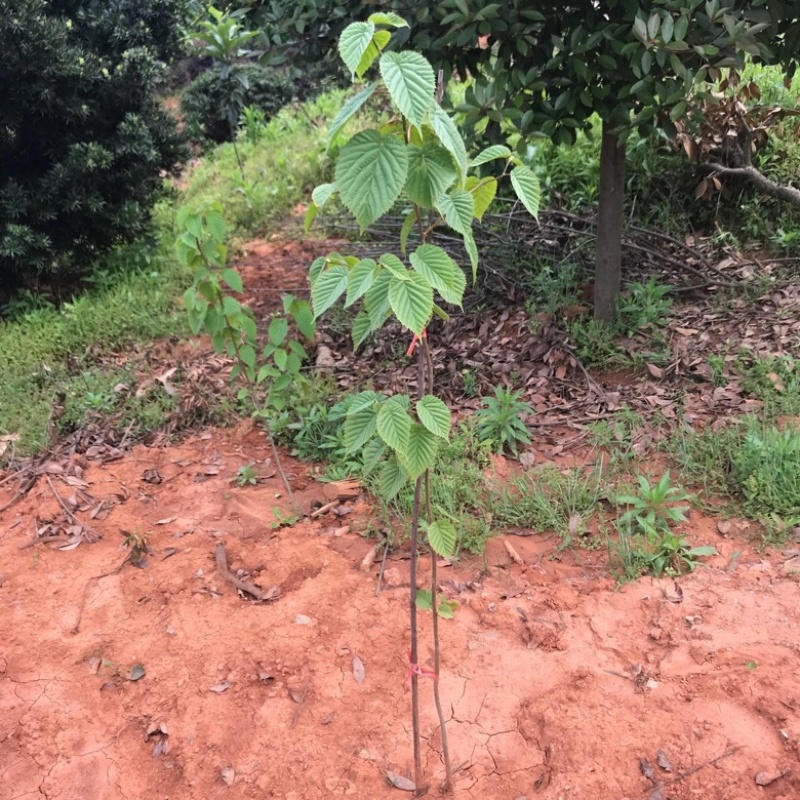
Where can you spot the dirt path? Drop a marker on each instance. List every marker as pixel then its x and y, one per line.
pixel 260 700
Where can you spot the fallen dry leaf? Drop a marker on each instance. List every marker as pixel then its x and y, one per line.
pixel 359 672
pixel 724 527
pixel 400 782
pixel 663 761
pixel 228 775
pixel 298 695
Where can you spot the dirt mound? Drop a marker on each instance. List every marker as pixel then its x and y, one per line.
pixel 556 683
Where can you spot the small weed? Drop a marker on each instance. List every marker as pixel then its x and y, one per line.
pixel 644 305
pixel 138 545
pixel 595 343
pixel 778 529
pixel 500 420
pixel 673 555
pixel 470 383
pixel 548 499
pixel 766 470
pixel 717 365
pixel 552 288
pixel 775 381
pixel 283 519
pixel 246 475
pixel 652 509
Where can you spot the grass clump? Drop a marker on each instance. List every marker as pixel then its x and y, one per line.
pixel 551 499
pixel 766 470
pixel 52 356
pixel 281 167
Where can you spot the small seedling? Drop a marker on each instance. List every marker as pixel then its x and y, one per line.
pixel 673 555
pixel 652 509
pixel 246 475
pixel 137 543
pixel 282 519
pixel 500 420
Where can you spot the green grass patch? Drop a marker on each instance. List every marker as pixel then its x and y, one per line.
pixel 57 356
pixel 48 353
pixel 281 168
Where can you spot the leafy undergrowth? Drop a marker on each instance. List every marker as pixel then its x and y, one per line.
pixel 84 363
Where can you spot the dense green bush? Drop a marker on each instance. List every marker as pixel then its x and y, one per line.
pixel 84 142
pixel 206 100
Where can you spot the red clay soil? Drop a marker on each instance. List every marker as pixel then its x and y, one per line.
pixel 555 681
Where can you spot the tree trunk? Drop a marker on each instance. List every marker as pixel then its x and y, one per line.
pixel 608 259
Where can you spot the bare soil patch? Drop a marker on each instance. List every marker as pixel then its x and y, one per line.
pixel 556 682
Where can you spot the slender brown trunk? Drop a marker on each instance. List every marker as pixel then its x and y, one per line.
pixel 414 656
pixel 608 260
pixel 414 648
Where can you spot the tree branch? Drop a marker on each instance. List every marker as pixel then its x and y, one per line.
pixel 759 180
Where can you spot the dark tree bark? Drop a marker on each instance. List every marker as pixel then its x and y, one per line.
pixel 608 259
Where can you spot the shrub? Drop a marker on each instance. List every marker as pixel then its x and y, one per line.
pixel 204 102
pixel 83 141
pixel 766 469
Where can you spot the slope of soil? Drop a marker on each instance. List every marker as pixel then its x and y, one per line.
pixel 555 681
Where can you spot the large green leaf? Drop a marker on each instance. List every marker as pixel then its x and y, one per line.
pixel 450 137
pixel 394 424
pixel 434 415
pixel 412 301
pixel 472 252
pixel 373 452
pixel 392 479
pixel 441 272
pixel 362 327
pixel 379 41
pixel 483 192
pixel 328 288
pixel 458 209
pixel 370 174
pixel 420 453
pixel 388 18
pixel 408 223
pixel 323 193
pixel 353 43
pixel 394 265
pixel 527 187
pixel 411 83
pixel 278 330
pixel 430 173
pixel 359 428
pixel 361 277
pixel 442 537
pixel 376 300
pixel 347 111
pixel 362 400
pixel 490 154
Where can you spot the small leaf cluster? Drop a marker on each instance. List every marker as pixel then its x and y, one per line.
pixel 652 509
pixel 230 323
pixel 500 420
pixel 419 155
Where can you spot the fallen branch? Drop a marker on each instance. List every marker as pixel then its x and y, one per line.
pixel 91 536
pixel 221 557
pixel 759 180
pixel 21 492
pixel 659 784
pixel 76 627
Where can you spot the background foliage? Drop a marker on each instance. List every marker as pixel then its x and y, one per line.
pixel 84 141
